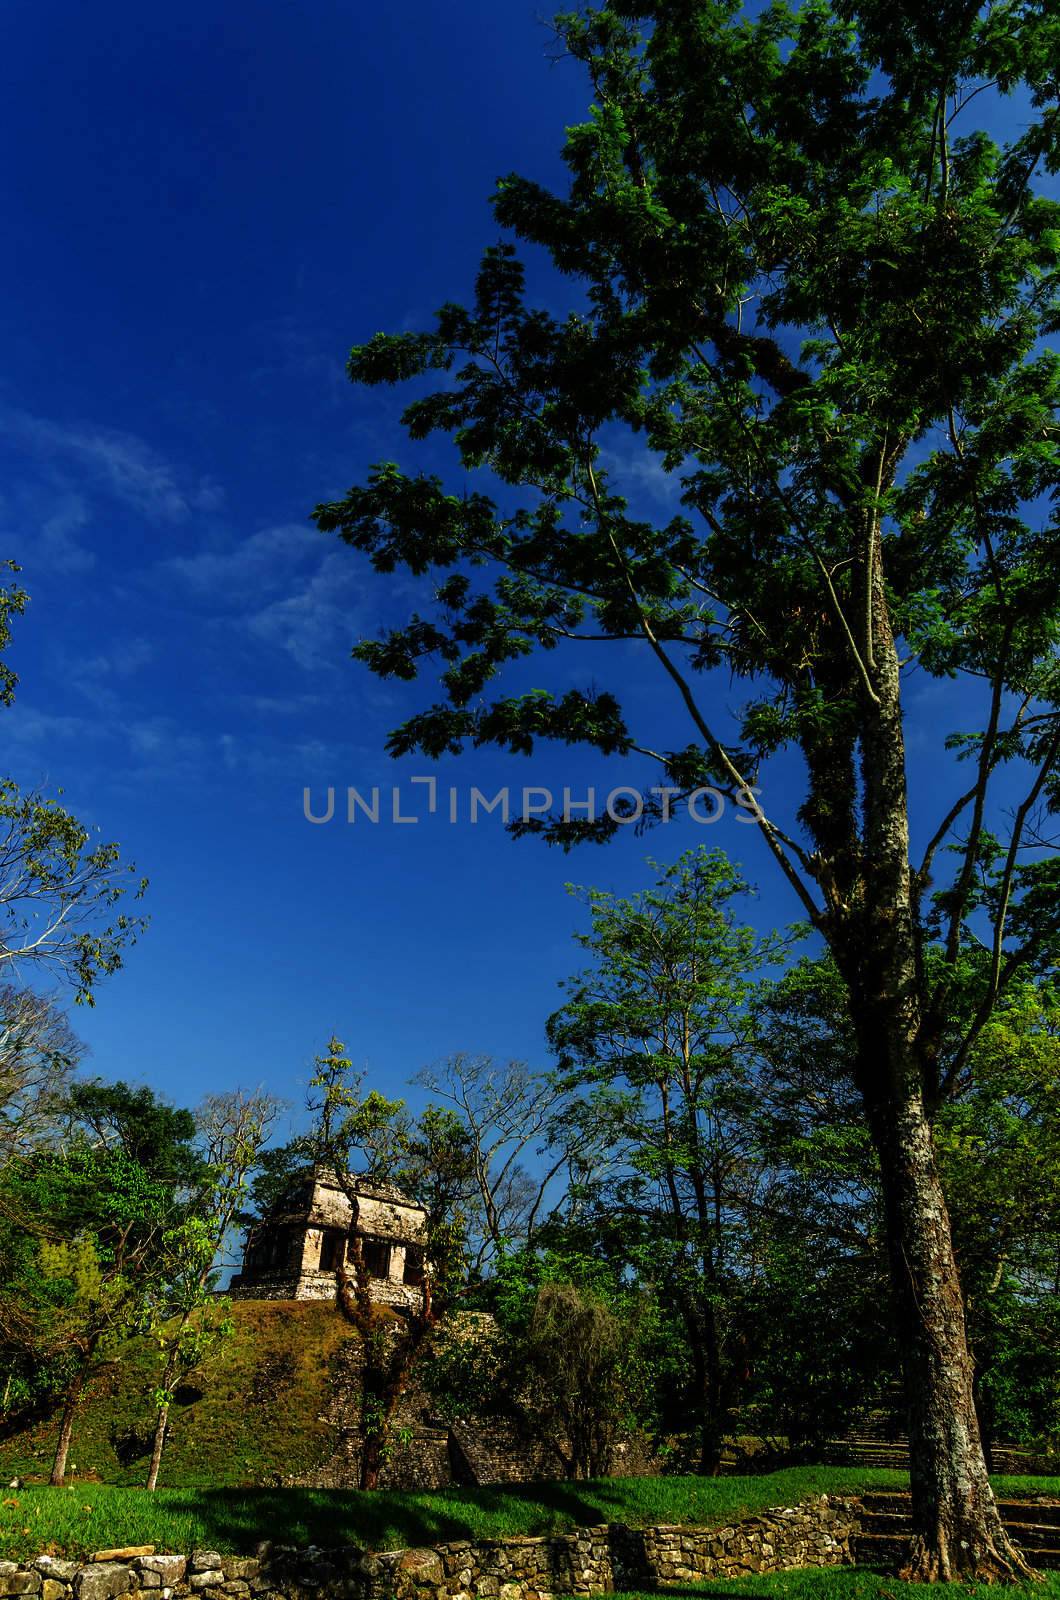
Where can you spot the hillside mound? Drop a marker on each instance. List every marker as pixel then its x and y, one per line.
pixel 253 1413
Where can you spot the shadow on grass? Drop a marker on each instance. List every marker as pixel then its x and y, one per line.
pixel 240 1518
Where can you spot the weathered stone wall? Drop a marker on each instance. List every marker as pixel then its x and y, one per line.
pixel 484 1450
pixel 588 1561
pixel 427 1453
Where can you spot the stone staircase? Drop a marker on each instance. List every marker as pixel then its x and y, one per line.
pixel 886 1530
pixel 877 1442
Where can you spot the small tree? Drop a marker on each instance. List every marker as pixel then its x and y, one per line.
pixel 576 1359
pixel 184 1317
pixel 38 1052
pixel 78 1283
pixel 507 1113
pixel 564 1351
pixel 95 1213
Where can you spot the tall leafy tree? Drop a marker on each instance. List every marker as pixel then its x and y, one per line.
pixel 657 1034
pixel 74 1285
pixel 816 287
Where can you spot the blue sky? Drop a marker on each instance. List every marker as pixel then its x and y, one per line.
pixel 206 207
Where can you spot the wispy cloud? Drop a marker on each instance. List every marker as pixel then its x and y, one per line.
pixel 119 463
pixel 233 571
pixel 102 678
pixel 316 619
pixel 289 347
pixel 40 524
pixel 284 587
pixel 57 546
pixel 26 725
pixel 640 471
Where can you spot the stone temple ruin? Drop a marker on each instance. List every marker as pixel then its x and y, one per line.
pixel 295 1251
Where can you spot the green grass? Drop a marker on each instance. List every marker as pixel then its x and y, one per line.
pixel 251 1415
pixel 843 1583
pixel 88 1517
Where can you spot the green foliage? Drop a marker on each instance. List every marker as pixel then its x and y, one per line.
pixel 657 1039
pixel 157 1137
pixel 829 1346
pixel 62 897
pixel 87 1223
pixel 13 601
pixel 999 1145
pixel 564 1350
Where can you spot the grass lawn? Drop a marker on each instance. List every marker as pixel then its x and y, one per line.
pixel 844 1583
pixel 85 1517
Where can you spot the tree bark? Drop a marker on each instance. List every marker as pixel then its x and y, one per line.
pixel 958 1529
pixel 161 1425
pixel 66 1429
pixel 875 939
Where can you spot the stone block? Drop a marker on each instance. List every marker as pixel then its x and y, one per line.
pixel 211 1578
pixel 52 1567
pixel 170 1569
pixel 422 1567
pixel 240 1567
pixel 103 1580
pixel 205 1561
pixel 20 1583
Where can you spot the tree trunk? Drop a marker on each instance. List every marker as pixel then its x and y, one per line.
pixel 389 1354
pixel 702 1353
pixel 161 1424
pixel 714 1409
pixel 958 1527
pixel 371 1461
pixel 66 1429
pixel 875 939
